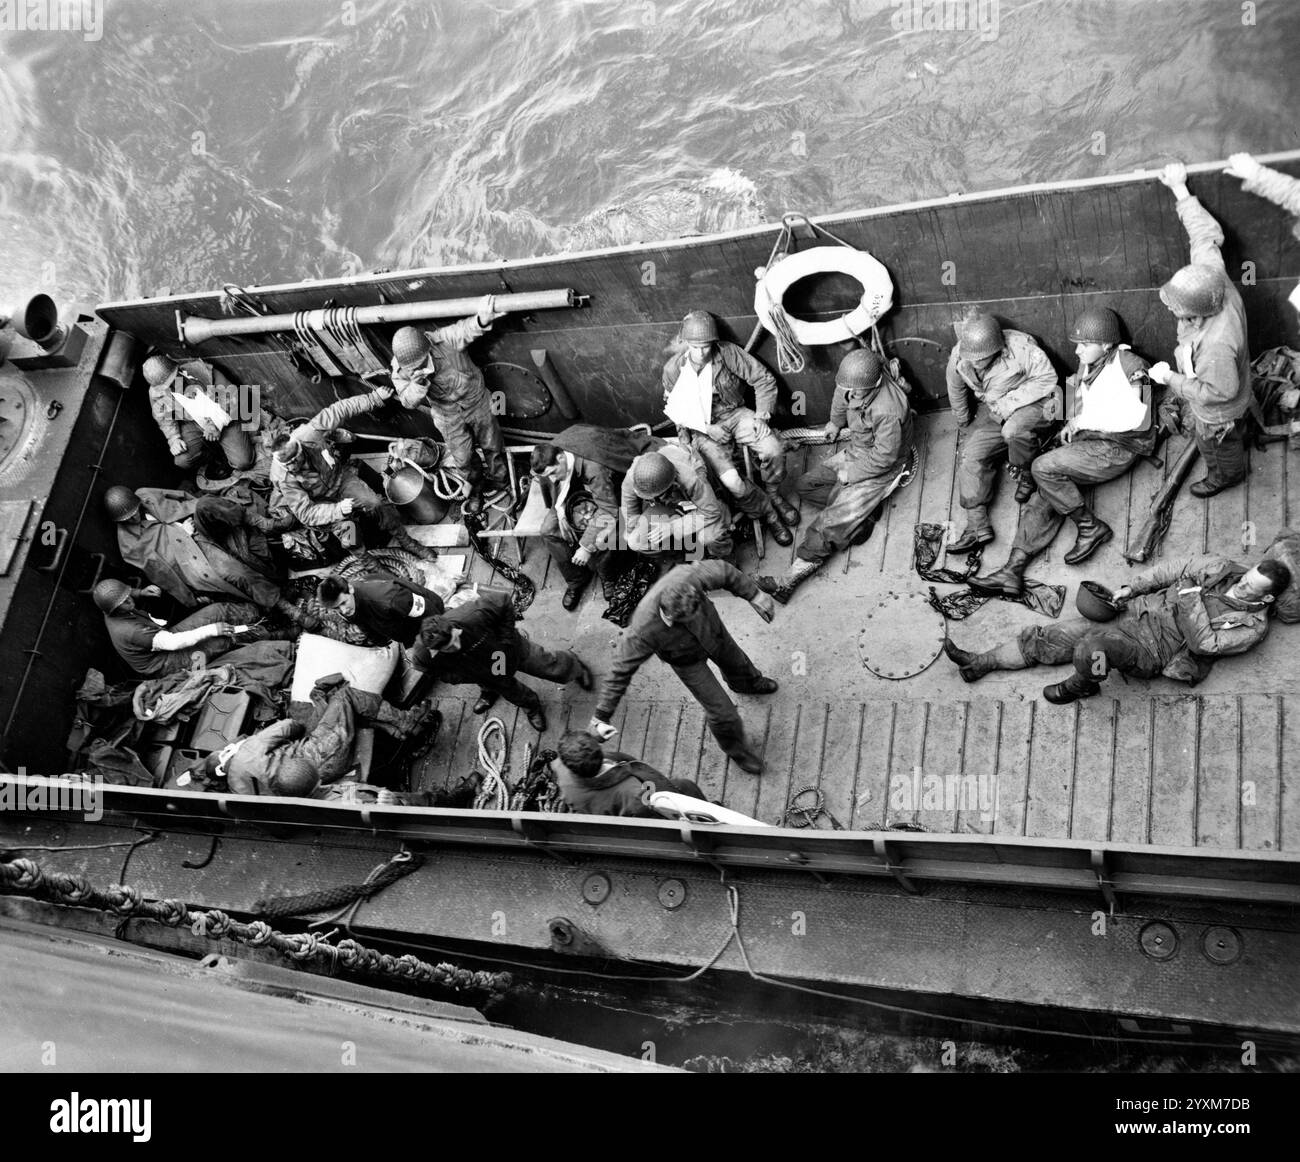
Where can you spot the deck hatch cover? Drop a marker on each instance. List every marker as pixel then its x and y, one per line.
pixel 903 635
pixel 13 520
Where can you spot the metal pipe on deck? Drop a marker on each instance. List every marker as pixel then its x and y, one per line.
pixel 193 329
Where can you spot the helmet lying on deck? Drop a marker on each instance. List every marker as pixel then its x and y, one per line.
pixel 653 474
pixel 1095 602
pixel 1194 290
pixel 699 327
pixel 108 595
pixel 1098 325
pixel 981 337
pixel 410 347
pixel 121 503
pixel 859 371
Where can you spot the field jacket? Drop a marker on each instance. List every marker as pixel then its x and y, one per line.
pixel 1020 375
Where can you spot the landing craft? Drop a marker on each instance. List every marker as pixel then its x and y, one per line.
pixel 1138 875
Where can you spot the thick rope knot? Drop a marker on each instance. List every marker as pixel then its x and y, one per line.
pixel 73 888
pixel 408 966
pixel 218 923
pixel 260 933
pixel 123 899
pixel 173 913
pixel 304 945
pixel 349 953
pixel 24 874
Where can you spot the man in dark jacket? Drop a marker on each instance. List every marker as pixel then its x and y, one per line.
pixel 852 484
pixel 585 459
pixel 592 782
pixel 387 608
pixel 479 643
pixel 1179 617
pixel 704 395
pixel 676 622
pixel 1110 427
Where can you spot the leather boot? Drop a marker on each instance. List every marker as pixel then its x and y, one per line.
pixel 1007 656
pixel 785 511
pixel 573 592
pixel 978 531
pixel 1093 533
pixel 403 540
pixel 1071 690
pixel 1009 580
pixel 782 588
pixel 779 533
pixel 1025 486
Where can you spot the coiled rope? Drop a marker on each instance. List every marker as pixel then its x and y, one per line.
pixel 789 355
pixel 806 815
pixel 25 877
pixel 494 792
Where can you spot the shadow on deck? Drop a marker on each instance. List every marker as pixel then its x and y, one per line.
pixel 1145 762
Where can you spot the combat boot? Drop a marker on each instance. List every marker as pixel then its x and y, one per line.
pixel 785 511
pixel 974 666
pixel 782 588
pixel 1071 690
pixel 978 531
pixel 1009 580
pixel 1093 533
pixel 778 532
pixel 1025 486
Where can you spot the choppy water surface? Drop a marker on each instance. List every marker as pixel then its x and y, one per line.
pixel 193 144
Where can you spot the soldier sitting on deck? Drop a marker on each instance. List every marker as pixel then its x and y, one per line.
pixel 1177 619
pixel 188 402
pixel 669 507
pixel 592 782
pixel 314 481
pixel 1110 428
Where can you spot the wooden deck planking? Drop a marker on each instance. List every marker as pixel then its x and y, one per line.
pixel 942 789
pixel 1266 506
pixel 907 762
pixel 436 771
pixel 697 757
pixel 636 726
pixel 661 736
pixel 979 767
pixel 1218 774
pixel 1288 830
pixel 1261 771
pixel 1226 527
pixel 1290 512
pixel 839 767
pixel 779 761
pixel 742 789
pixel 871 797
pixel 1094 769
pixel 1173 789
pixel 903 509
pixel 936 440
pixel 1051 771
pixel 1013 766
pixel 1130 808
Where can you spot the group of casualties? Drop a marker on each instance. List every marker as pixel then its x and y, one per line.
pixel 614 496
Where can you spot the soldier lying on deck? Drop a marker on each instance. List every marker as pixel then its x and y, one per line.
pixel 592 782
pixel 1178 618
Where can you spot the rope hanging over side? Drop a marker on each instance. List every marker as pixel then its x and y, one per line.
pixel 789 355
pixel 25 877
pixel 402 864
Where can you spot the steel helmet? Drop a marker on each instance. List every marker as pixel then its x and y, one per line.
pixel 158 370
pixel 294 776
pixel 699 327
pixel 121 503
pixel 108 595
pixel 1194 290
pixel 859 370
pixel 1095 602
pixel 981 336
pixel 653 474
pixel 1098 325
pixel 410 347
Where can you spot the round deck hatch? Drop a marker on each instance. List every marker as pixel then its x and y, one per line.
pixel 1158 940
pixel 903 635
pixel 1221 945
pixel 672 894
pixel 524 395
pixel 20 418
pixel 596 888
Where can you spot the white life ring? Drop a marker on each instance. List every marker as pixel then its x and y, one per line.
pixel 877 292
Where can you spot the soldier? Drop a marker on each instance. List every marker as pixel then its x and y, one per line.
pixel 314 481
pixel 387 608
pixel 1017 399
pixel 704 395
pixel 190 427
pixel 852 484
pixel 590 461
pixel 592 782
pixel 668 506
pixel 152 648
pixel 676 622
pixel 1178 618
pixel 432 369
pixel 1110 428
pixel 1213 376
pixel 1279 188
pixel 478 643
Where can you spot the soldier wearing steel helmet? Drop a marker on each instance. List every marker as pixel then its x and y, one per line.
pixel 872 404
pixel 187 437
pixel 432 369
pixel 1213 377
pixel 1111 425
pixel 1004 393
pixel 668 506
pixel 704 395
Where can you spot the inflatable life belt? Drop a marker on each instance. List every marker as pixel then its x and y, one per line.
pixel 877 292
